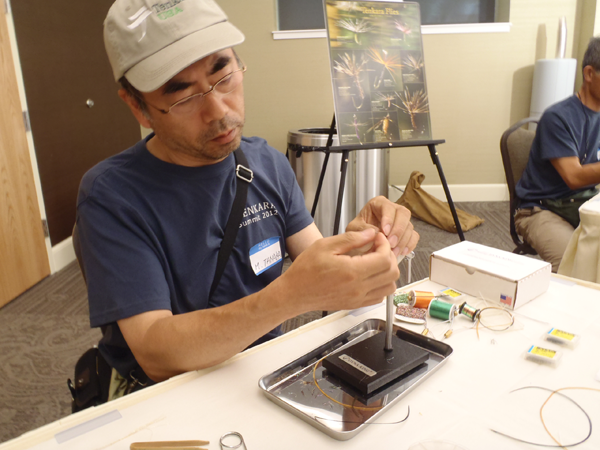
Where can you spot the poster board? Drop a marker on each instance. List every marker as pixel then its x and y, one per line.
pixel 378 71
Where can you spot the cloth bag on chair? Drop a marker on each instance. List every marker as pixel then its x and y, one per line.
pixel 426 207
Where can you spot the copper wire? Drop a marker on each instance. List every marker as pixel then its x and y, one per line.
pixel 360 408
pixel 557 391
pixel 371 423
pixel 507 326
pixel 548 399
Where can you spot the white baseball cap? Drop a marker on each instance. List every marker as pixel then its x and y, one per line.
pixel 150 42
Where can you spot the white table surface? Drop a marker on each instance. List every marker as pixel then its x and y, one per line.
pixel 582 256
pixel 459 403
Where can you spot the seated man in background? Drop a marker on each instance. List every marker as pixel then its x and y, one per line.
pixel 151 219
pixel 563 167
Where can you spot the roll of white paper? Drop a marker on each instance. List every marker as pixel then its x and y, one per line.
pixel 553 81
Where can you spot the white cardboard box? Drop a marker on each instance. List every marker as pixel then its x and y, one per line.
pixel 485 272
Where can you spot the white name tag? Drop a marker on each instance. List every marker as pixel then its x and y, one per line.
pixel 265 255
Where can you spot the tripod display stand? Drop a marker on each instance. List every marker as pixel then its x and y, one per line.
pixel 345 151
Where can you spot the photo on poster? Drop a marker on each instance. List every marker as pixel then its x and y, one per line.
pixel 378 71
pixel 356 128
pixel 385 127
pixel 351 80
pixel 413 112
pixel 384 101
pixel 384 68
pixel 380 24
pixel 412 67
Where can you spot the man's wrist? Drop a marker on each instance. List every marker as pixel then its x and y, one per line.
pixel 278 300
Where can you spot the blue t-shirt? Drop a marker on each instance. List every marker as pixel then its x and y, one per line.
pixel 568 128
pixel 150 234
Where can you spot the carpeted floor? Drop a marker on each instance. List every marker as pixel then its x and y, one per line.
pixel 46 329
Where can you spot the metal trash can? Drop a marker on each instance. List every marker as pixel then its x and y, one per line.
pixel 305 152
pixel 372 175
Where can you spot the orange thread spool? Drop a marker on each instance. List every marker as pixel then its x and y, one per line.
pixel 421 299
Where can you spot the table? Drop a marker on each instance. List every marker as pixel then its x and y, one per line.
pixel 459 403
pixel 582 255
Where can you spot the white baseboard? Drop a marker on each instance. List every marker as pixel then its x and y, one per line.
pixel 462 192
pixel 63 254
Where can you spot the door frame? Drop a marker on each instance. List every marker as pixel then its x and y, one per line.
pixel 63 253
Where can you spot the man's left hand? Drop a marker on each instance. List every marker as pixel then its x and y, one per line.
pixel 392 220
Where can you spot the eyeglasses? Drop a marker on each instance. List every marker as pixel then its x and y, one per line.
pixel 191 104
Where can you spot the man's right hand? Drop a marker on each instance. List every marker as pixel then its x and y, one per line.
pixel 325 277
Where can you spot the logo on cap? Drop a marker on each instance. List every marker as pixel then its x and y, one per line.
pixel 167 9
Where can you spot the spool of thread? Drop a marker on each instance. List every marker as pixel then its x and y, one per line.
pixel 403 298
pixel 414 299
pixel 421 299
pixel 412 315
pixel 442 310
pixel 469 311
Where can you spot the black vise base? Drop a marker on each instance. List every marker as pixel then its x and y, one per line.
pixel 367 366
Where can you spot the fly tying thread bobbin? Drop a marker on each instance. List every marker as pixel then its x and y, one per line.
pixel 442 310
pixel 421 299
pixel 469 311
pixel 445 311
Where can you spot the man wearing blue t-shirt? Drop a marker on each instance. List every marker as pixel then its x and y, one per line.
pixel 151 219
pixel 563 167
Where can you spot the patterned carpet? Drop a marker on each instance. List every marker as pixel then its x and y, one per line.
pixel 46 329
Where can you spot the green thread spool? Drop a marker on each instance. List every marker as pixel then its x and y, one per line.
pixel 442 310
pixel 469 311
pixel 402 299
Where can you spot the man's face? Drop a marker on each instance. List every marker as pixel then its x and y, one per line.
pixel 594 84
pixel 214 130
pixel 591 86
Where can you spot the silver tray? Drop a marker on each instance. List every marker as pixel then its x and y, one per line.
pixel 293 386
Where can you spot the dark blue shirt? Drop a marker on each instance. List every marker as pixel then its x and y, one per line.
pixel 150 234
pixel 566 129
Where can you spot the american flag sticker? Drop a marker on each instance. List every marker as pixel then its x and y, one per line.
pixel 506 299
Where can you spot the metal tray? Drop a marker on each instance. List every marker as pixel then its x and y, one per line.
pixel 343 412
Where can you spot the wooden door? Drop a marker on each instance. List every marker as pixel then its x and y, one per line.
pixel 64 66
pixel 23 255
